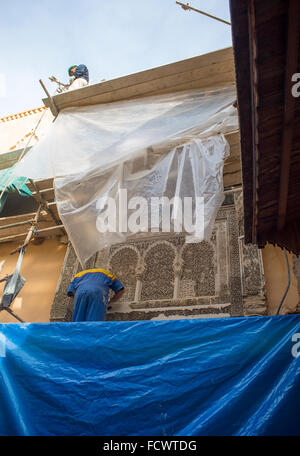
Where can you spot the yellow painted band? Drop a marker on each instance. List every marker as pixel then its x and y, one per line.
pixel 103 271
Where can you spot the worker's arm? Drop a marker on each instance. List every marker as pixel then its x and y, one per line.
pixel 71 290
pixel 117 296
pixel 118 289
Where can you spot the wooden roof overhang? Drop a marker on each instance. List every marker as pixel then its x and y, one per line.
pixel 213 70
pixel 266 50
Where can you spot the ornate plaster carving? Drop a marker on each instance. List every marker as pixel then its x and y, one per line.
pixel 167 278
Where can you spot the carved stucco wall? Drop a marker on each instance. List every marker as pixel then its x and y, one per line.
pixel 252 275
pixel 165 278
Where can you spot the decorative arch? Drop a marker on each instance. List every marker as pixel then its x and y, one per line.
pixel 198 270
pixel 123 263
pixel 158 276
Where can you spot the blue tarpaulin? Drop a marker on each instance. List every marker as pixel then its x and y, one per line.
pixel 231 376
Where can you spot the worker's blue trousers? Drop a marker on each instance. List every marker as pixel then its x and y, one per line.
pixel 88 307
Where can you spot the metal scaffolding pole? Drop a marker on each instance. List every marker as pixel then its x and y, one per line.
pixel 186 6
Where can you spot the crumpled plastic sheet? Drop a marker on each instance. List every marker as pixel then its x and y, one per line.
pixel 194 170
pixel 169 145
pixel 14 283
pixel 231 376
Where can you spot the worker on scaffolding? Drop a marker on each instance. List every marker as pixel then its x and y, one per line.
pixel 79 76
pixel 90 289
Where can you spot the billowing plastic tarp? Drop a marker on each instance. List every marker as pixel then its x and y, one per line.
pixel 169 146
pixel 233 376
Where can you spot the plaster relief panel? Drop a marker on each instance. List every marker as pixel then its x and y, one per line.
pixel 158 276
pixel 198 275
pixel 123 263
pixel 166 278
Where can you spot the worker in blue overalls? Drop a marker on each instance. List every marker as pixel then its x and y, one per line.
pixel 90 289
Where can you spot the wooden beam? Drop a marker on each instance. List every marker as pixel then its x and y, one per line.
pixel 52 104
pixel 289 109
pixel 41 184
pixel 44 203
pixel 30 232
pixel 20 218
pixel 186 6
pixel 42 231
pixel 210 70
pixel 254 92
pixel 159 87
pixel 12 225
pixel 44 222
pixel 47 193
pixel 201 62
pixel 53 228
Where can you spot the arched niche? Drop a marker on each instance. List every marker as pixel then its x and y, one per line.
pixel 198 271
pixel 158 276
pixel 123 263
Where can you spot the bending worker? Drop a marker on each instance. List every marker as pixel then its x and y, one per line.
pixel 90 290
pixel 79 76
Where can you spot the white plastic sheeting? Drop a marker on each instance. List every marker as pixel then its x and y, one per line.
pixel 163 146
pixel 16 130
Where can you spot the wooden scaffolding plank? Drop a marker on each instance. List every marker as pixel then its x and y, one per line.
pixel 19 230
pixel 159 87
pixel 175 76
pixel 23 235
pixel 47 193
pixel 23 217
pixel 232 179
pixel 42 184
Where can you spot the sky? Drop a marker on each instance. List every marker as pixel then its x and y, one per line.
pixel 114 38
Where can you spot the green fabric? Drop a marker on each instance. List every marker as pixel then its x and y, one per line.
pixel 16 184
pixel 70 68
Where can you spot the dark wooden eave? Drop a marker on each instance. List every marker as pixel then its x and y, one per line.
pixel 266 50
pixel 289 109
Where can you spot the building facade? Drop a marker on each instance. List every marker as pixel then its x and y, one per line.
pixel 165 278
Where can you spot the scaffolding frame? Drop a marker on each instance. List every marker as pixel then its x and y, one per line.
pixel 43 222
